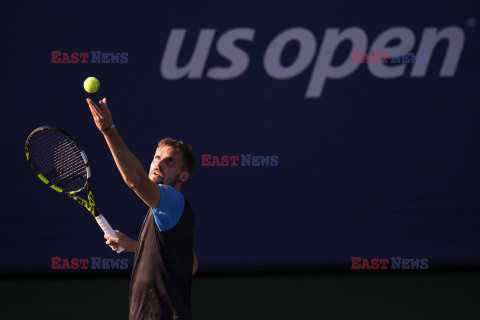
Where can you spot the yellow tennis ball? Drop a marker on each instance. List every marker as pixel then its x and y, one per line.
pixel 91 84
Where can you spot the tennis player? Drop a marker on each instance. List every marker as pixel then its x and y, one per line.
pixel 165 260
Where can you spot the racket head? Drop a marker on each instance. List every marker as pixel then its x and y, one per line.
pixel 57 159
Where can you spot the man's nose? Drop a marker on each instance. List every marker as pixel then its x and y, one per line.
pixel 161 163
pixel 156 164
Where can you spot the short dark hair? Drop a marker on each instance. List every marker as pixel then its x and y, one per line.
pixel 189 158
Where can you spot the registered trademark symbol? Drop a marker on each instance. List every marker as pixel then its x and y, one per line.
pixel 471 23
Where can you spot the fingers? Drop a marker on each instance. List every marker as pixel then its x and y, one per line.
pixel 101 115
pixel 93 107
pixel 112 243
pixel 94 110
pixel 103 103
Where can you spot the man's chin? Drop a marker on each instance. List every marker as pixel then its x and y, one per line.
pixel 156 179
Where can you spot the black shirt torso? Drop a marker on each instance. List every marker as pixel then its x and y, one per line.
pixel 161 279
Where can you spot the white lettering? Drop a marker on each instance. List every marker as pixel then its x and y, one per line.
pixel 407 41
pixel 273 54
pixel 430 39
pixel 194 68
pixel 227 49
pixel 323 68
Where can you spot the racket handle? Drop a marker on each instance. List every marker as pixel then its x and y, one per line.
pixel 107 229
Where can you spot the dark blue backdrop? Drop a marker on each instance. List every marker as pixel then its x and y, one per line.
pixel 371 166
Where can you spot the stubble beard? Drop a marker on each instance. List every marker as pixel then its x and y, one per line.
pixel 165 180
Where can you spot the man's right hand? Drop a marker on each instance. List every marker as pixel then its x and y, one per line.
pixel 101 115
pixel 129 244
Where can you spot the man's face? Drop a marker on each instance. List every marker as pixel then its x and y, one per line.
pixel 166 167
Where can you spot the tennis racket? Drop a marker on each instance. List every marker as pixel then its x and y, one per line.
pixel 60 162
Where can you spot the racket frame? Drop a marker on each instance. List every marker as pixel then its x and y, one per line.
pixel 90 204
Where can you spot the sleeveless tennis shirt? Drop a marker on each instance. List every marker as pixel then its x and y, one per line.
pixel 161 280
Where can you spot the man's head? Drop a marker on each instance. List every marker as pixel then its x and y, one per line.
pixel 172 163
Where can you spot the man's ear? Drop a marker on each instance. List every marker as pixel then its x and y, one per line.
pixel 184 176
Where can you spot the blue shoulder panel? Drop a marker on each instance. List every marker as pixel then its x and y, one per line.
pixel 169 209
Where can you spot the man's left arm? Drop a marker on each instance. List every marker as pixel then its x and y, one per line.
pixel 195 263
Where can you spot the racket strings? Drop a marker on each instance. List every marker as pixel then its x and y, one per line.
pixel 59 159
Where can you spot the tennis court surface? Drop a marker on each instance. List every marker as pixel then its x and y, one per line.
pixel 256 296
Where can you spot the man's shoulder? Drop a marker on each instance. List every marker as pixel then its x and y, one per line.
pixel 168 188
